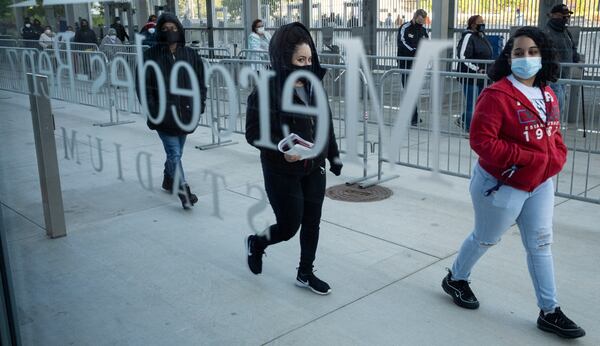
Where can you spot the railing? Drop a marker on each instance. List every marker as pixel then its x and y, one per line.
pixel 580 178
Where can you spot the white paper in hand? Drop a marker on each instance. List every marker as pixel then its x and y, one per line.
pixel 295 145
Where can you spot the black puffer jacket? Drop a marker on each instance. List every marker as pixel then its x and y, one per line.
pixel 281 50
pixel 161 54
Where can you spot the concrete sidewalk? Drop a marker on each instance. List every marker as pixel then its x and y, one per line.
pixel 136 269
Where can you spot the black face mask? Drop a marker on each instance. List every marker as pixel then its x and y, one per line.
pixel 480 27
pixel 169 37
pixel 307 68
pixel 559 22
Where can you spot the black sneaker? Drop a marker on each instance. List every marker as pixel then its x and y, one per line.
pixel 460 292
pixel 559 324
pixel 309 280
pixel 167 183
pixel 254 255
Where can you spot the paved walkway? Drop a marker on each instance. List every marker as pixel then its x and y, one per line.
pixel 136 269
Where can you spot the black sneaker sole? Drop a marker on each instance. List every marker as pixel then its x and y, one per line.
pixel 457 300
pixel 563 334
pixel 247 246
pixel 306 285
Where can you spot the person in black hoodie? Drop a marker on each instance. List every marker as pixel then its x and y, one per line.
pixel 170 49
pixel 409 35
pixel 295 188
pixel 474 45
pixel 85 34
pixel 121 32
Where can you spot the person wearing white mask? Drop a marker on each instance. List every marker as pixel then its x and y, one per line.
pixel 516 134
pixel 108 41
pixel 47 38
pixel 258 40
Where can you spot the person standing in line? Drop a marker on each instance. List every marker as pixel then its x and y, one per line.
pixel 409 35
pixel 108 40
pixel 259 40
pixel 557 29
pixel 169 49
pixel 295 187
pixel 29 35
pixel 473 45
pixel 85 34
pixel 388 25
pixel 149 31
pixel 69 34
pixel 47 38
pixel 516 133
pixel 120 29
pixel 37 28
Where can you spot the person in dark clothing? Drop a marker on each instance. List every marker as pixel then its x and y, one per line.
pixel 149 31
pixel 37 27
pixel 565 44
pixel 29 35
pixel 295 187
pixel 121 32
pixel 85 34
pixel 473 45
pixel 170 49
pixel 409 35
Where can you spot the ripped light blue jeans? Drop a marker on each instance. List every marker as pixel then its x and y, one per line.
pixel 494 214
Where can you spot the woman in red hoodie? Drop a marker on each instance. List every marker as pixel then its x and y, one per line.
pixel 516 133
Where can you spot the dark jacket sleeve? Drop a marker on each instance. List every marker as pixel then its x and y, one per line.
pixel 200 72
pixel 332 151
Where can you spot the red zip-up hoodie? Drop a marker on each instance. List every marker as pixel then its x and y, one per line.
pixel 507 131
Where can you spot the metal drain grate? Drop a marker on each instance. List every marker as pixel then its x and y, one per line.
pixel 353 193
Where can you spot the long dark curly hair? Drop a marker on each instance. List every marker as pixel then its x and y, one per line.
pixel 550 66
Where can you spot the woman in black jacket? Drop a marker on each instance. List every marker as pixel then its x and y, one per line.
pixel 170 49
pixel 296 188
pixel 474 45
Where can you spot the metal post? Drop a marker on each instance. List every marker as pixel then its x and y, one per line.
pixel 370 26
pixel 306 7
pixel 9 328
pixel 45 147
pixel 440 19
pixel 210 12
pixel 544 8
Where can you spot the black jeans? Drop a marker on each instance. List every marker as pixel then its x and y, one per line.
pixel 407 64
pixel 297 201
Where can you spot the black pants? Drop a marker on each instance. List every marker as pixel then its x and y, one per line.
pixel 407 64
pixel 297 201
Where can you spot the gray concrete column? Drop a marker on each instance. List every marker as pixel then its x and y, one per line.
pixel 251 12
pixel 19 19
pixel 440 19
pixel 142 12
pixel 369 34
pixel 544 9
pixel 306 6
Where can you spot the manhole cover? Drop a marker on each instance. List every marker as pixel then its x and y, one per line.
pixel 353 193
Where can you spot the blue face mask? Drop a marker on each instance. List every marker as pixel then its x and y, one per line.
pixel 526 68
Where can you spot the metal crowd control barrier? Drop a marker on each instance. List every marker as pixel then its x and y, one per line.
pixel 367 179
pixel 580 179
pixel 17 62
pixel 218 101
pixel 253 54
pixel 213 53
pixel 8 43
pixel 112 49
